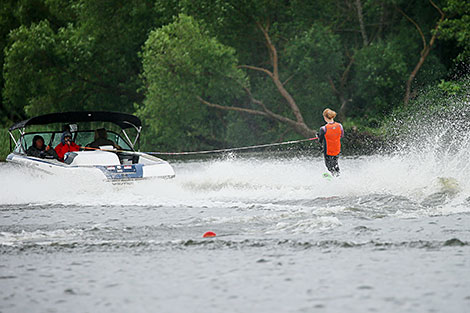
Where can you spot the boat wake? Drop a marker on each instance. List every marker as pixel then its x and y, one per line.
pixel 426 172
pixel 373 183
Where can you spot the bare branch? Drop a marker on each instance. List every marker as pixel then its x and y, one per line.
pixel 299 127
pixel 275 76
pixel 415 24
pixel 346 71
pixel 269 112
pixel 271 48
pixel 437 8
pixel 255 101
pixel 256 68
pixel 288 79
pixel 232 108
pixel 424 54
pixel 332 84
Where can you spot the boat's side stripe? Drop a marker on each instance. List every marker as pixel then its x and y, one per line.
pixel 122 171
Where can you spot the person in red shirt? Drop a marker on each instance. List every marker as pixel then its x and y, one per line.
pixel 330 137
pixel 66 145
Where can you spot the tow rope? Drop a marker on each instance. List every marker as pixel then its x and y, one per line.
pixel 234 149
pixel 208 151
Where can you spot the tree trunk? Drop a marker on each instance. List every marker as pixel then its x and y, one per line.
pixel 361 22
pixel 424 52
pixel 298 125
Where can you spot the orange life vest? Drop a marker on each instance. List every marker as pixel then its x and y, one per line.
pixel 333 133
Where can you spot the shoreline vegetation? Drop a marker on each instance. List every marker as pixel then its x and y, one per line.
pixel 4 144
pixel 215 74
pixel 355 142
pixel 448 101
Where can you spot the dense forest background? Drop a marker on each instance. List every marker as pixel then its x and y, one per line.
pixel 220 73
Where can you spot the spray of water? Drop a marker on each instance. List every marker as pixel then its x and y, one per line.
pixel 428 167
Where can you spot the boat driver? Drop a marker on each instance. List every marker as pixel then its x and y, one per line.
pixel 39 150
pixel 101 139
pixel 66 145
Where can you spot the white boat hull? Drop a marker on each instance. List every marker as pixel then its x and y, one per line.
pixel 98 165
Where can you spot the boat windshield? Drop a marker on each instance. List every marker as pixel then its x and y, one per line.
pixel 81 138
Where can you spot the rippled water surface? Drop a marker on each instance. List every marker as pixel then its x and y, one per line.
pixel 392 234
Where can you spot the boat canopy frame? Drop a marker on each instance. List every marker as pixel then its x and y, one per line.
pixel 123 120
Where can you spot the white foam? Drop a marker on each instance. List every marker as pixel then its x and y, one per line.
pixel 237 182
pixel 307 225
pixel 39 237
pixel 415 172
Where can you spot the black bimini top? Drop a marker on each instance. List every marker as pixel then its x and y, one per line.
pixel 123 120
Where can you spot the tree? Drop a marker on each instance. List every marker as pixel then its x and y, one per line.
pixel 456 26
pixel 13 14
pixel 249 71
pixel 427 46
pixel 90 61
pixel 258 28
pixel 356 24
pixel 182 63
pixel 201 68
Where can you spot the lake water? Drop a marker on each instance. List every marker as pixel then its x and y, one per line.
pixel 392 234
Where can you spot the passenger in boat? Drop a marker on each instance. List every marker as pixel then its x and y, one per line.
pixel 101 139
pixel 330 137
pixel 66 145
pixel 39 150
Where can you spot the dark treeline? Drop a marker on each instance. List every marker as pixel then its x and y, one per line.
pixel 218 73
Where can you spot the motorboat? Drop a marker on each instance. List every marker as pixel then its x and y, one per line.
pixel 108 163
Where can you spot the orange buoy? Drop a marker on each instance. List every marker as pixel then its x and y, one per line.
pixel 209 234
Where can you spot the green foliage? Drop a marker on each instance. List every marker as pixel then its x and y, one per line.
pixel 443 104
pixel 13 14
pixel 40 68
pixel 382 68
pixel 380 72
pixel 316 51
pixel 4 143
pixel 457 26
pixel 312 57
pixel 89 62
pixel 451 87
pixel 59 55
pixel 181 62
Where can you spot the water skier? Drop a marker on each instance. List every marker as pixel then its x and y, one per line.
pixel 330 137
